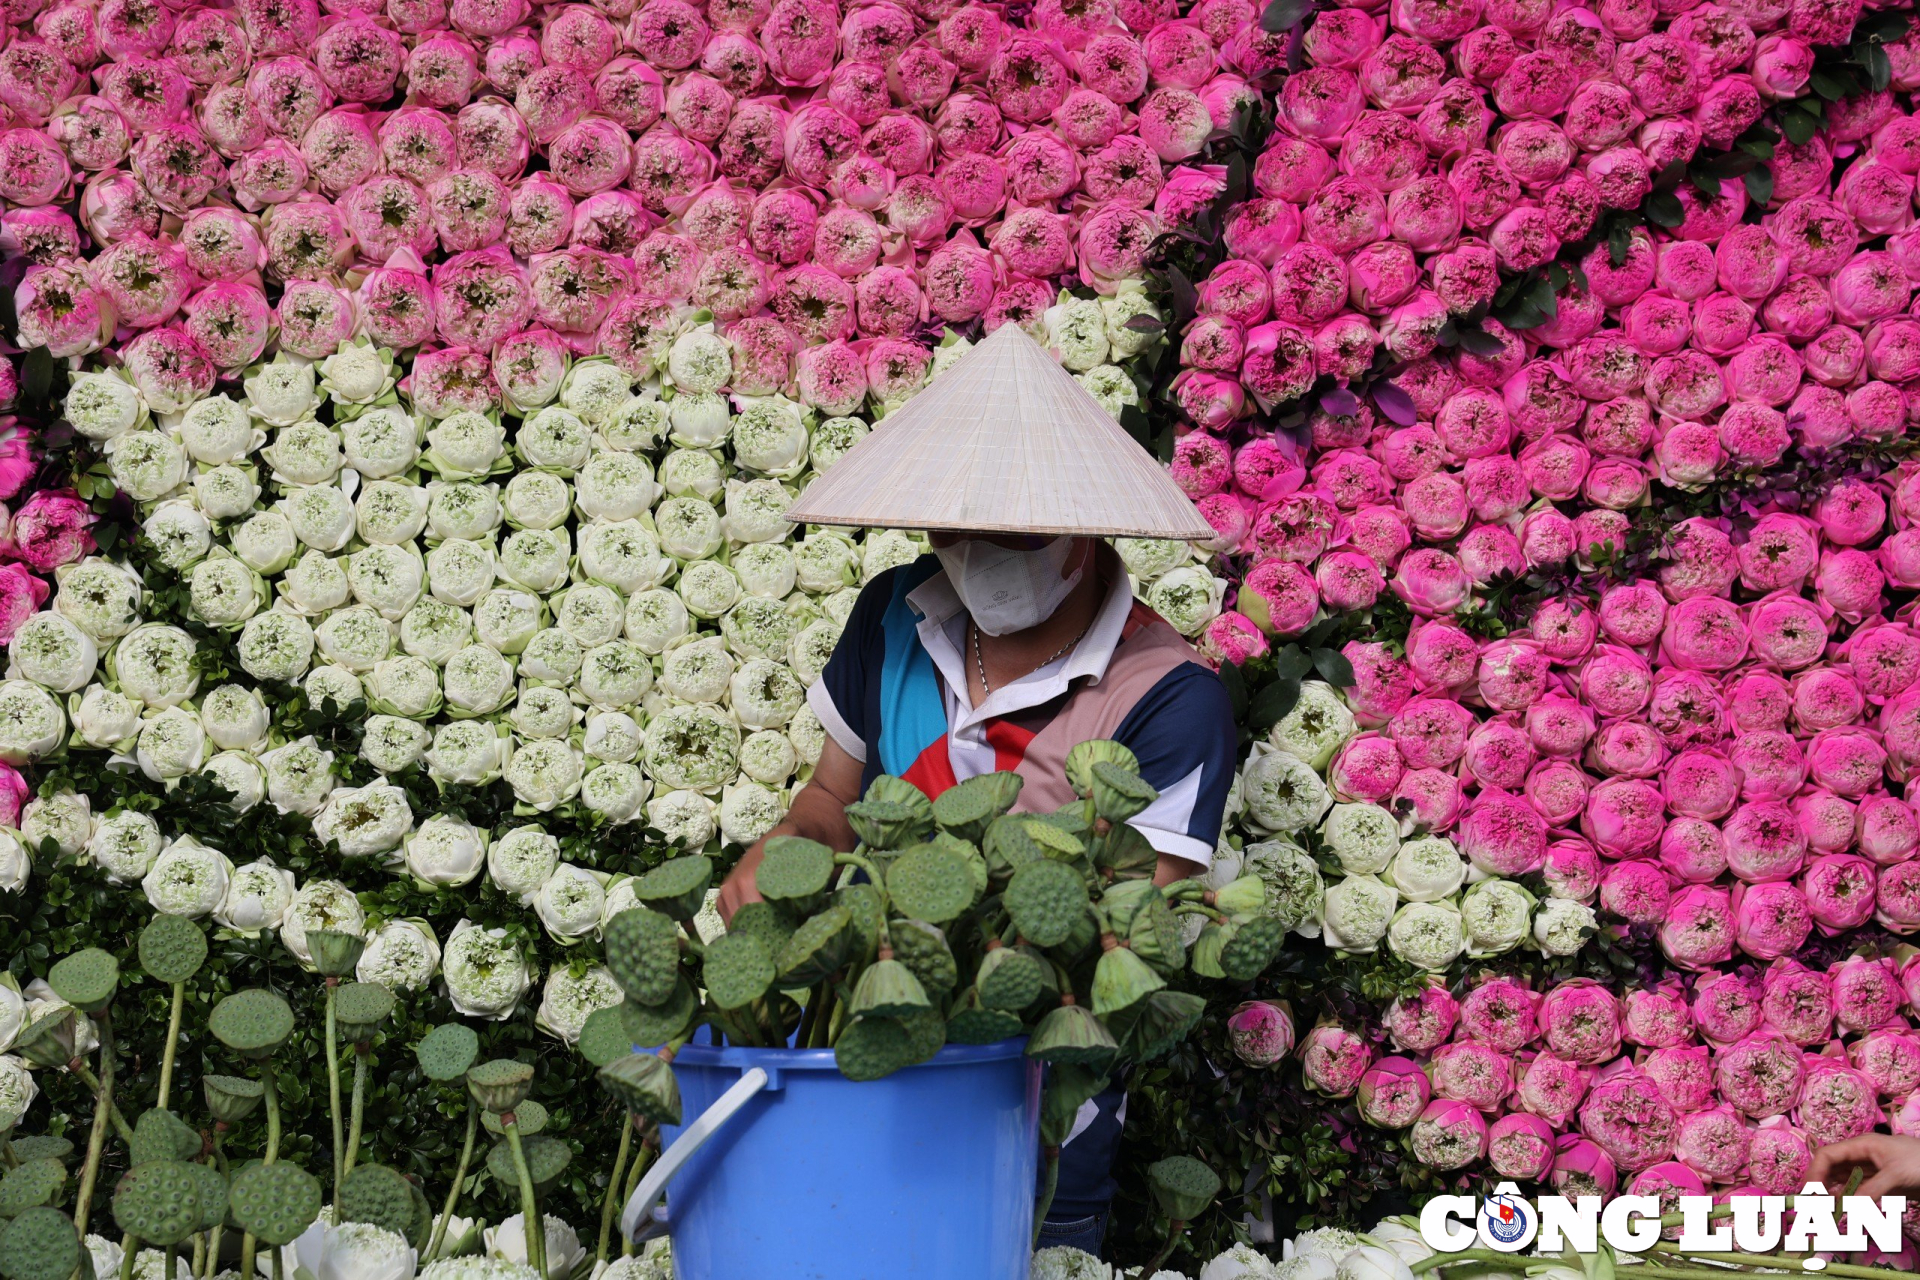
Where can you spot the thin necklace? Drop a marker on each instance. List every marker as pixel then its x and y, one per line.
pixel 981 665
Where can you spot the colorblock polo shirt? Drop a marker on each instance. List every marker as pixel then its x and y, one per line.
pixel 897 695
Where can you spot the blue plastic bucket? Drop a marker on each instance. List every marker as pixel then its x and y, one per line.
pixel 929 1172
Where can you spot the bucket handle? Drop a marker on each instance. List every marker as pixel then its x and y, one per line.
pixel 641 1220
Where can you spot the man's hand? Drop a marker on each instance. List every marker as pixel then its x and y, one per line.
pixel 1892 1165
pixel 818 813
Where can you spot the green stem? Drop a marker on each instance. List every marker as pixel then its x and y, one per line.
pixel 218 1159
pixel 530 1220
pixel 1777 1261
pixel 1175 1229
pixel 128 1247
pixel 84 1074
pixel 271 1154
pixel 279 1265
pixel 362 1067
pixel 459 1176
pixel 333 1092
pixel 819 1035
pixel 613 1189
pixel 641 1159
pixel 173 1044
pixel 1454 1259
pixel 96 1136
pixel 874 877
pixel 1044 1201
pixel 199 1259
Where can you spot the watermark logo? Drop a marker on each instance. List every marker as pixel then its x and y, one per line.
pixel 1507 1222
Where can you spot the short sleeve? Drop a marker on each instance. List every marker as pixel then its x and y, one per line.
pixel 843 696
pixel 1182 731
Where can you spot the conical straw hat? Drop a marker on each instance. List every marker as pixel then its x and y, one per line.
pixel 1006 441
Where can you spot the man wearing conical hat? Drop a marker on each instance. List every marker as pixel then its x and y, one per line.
pixel 1016 639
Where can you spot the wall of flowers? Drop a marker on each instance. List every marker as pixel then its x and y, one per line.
pixel 408 396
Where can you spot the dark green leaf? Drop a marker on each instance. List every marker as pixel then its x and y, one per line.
pixel 36 376
pixel 1236 688
pixel 1146 324
pixel 1272 703
pixel 1479 342
pixel 1291 662
pixel 1333 667
pixel 1829 86
pixel 1879 68
pixel 1283 15
pixel 1728 164
pixel 1619 244
pixel 1799 126
pixel 1760 184
pixel 1705 183
pixel 1670 176
pixel 1663 209
pixel 1396 404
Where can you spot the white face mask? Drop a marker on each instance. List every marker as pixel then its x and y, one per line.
pixel 1007 590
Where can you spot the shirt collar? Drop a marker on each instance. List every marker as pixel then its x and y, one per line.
pixel 942 630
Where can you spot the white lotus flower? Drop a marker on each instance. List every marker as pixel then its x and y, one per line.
pixel 570 902
pixel 235 717
pixel 188 879
pixel 124 845
pixel 485 973
pixel 17 1089
pixel 13 1012
pixel 65 817
pixel 16 865
pixel 281 391
pixel 354 1251
pixel 520 861
pixel 401 955
pixel 258 896
pixel 105 718
pixel 365 820
pixel 299 776
pixel 320 904
pixel 52 651
pixel 445 851
pixel 172 744
pixel 545 773
pixel 103 405
pixel 566 1001
pixel 508 1242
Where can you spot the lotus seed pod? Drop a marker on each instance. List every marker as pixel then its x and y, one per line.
pixel 923 949
pixel 447 1051
pixel 252 1023
pixel 889 824
pixel 650 1026
pixel 1151 1028
pixel 794 871
pixel 213 1194
pixel 1182 1187
pixel 1071 1034
pixel 43 1146
pixel 930 883
pixel 873 1048
pixel 888 989
pixel 1241 898
pixel 737 970
pixel 335 954
pixel 500 1084
pixel 1139 913
pixel 1125 853
pixel 644 1084
pixel 30 1184
pixel 603 1036
pixel 1205 954
pixel 643 953
pixel 360 1008
pixel 967 809
pixel 86 979
pixel 546 1160
pixel 158 1202
pixel 529 1118
pixel 39 1244
pixel 1121 980
pixel 972 1023
pixel 1046 900
pixel 970 854
pixel 677 888
pixel 1082 758
pixel 887 789
pixel 161 1135
pixel 376 1194
pixel 276 1202
pixel 817 949
pixel 1251 948
pixel 1008 847
pixel 172 949
pixel 1119 793
pixel 868 914
pixel 1010 979
pixel 231 1099
pixel 765 921
pixel 422 1230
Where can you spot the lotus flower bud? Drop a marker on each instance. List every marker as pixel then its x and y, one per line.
pixel 1261 1032
pixel 1392 1093
pixel 1333 1060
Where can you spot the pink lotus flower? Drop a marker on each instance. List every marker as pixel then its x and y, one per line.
pixel 1392 1093
pixel 1582 1167
pixel 1422 1022
pixel 48 531
pixel 1627 1116
pixel 1449 1135
pixel 1521 1146
pixel 1333 1059
pixel 1261 1032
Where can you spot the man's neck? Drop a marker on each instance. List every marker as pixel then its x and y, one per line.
pixel 1019 653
